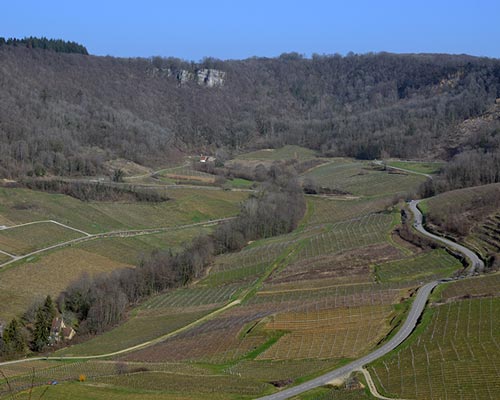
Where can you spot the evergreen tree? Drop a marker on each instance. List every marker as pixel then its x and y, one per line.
pixel 43 322
pixel 13 337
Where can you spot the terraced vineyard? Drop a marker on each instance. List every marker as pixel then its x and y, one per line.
pixel 486 237
pixel 455 355
pixel 471 211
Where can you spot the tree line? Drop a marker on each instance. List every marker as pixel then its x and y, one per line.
pixel 57 45
pixel 478 162
pixel 100 302
pixel 68 114
pixel 93 191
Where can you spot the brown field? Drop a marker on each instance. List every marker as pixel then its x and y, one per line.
pixel 22 284
pixel 332 333
pixel 216 341
pixel 204 179
pixel 352 266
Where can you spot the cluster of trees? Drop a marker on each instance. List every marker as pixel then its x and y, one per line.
pixel 68 114
pixel 101 302
pixel 57 45
pixel 32 331
pixel 258 172
pixel 94 191
pixel 460 218
pixel 477 164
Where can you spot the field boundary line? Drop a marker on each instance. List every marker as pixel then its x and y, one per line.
pixel 372 387
pixel 123 233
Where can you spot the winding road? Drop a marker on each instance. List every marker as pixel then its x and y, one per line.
pixel 476 264
pixel 409 325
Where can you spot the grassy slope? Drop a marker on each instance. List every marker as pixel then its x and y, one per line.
pixel 288 152
pixel 187 206
pixel 25 239
pixel 421 167
pixel 358 178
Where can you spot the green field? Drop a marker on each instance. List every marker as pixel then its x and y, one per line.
pixel 360 179
pixel 422 268
pixel 185 207
pixel 130 250
pixel 420 167
pixel 288 152
pixel 25 239
pixel 331 209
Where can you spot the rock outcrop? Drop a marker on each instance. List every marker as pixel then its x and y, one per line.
pixel 208 77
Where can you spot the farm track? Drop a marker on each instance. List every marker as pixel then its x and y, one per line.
pixel 409 325
pixel 404 170
pixel 88 236
pixel 159 185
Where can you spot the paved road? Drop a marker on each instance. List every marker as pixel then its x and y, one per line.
pixel 477 265
pixel 408 326
pixel 414 314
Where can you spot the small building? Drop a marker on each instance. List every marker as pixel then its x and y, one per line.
pixel 205 159
pixel 59 331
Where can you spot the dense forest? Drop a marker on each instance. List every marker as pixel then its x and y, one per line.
pixel 57 45
pixel 66 114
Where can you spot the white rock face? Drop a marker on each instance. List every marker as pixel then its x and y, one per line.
pixel 184 76
pixel 204 77
pixel 210 77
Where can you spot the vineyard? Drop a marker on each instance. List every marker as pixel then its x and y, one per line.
pixel 425 267
pixel 281 310
pixel 328 333
pixel 332 210
pixel 455 357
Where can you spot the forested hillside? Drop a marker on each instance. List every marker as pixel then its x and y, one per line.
pixel 67 113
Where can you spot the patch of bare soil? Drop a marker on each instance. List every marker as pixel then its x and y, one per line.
pixel 204 179
pixel 407 245
pixel 353 265
pixel 130 168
